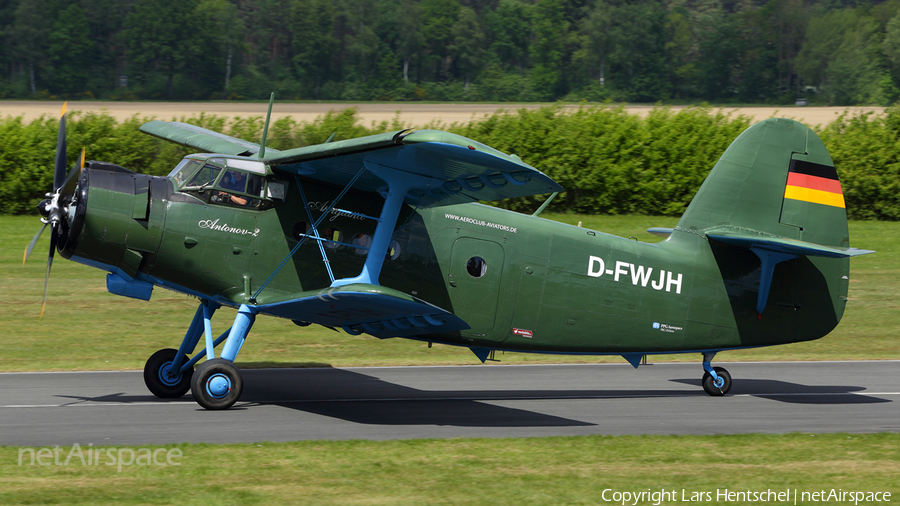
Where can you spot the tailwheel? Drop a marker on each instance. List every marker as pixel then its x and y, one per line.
pixel 718 386
pixel 216 384
pixel 158 377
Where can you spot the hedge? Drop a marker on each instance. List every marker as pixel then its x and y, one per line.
pixel 611 161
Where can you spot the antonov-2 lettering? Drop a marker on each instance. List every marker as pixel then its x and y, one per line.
pixel 639 274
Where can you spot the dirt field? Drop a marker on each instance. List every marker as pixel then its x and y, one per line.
pixel 410 114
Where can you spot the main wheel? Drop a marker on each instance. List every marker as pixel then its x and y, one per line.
pixel 717 388
pixel 159 382
pixel 216 384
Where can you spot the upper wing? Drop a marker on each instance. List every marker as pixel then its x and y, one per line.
pixel 456 169
pixel 200 138
pixel 452 168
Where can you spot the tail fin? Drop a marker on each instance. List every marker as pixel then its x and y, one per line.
pixel 775 191
pixel 776 178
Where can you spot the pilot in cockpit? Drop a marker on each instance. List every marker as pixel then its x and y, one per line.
pixel 233 180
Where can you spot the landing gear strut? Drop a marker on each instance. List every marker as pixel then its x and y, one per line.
pixel 716 380
pixel 216 384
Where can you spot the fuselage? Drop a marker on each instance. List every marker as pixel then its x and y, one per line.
pixel 520 282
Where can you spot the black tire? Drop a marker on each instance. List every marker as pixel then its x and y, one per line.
pixel 216 384
pixel 158 382
pixel 710 387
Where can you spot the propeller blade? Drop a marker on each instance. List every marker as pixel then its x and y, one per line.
pixel 34 241
pixel 68 188
pixel 49 263
pixel 59 169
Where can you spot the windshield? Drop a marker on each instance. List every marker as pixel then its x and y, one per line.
pixel 205 176
pixel 184 170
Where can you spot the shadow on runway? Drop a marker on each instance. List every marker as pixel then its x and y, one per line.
pixel 796 393
pixel 364 399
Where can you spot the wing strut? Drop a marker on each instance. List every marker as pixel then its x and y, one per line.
pixel 303 239
pixel 315 230
pixel 399 183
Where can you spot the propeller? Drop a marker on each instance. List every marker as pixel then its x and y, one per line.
pixel 52 208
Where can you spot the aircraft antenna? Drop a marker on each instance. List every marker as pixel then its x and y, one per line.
pixel 545 204
pixel 262 144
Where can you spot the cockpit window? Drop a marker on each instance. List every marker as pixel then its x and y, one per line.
pixel 206 176
pixel 184 170
pixel 240 183
pixel 234 180
pixel 233 183
pixel 255 185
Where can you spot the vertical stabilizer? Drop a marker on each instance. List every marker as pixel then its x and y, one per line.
pixel 777 179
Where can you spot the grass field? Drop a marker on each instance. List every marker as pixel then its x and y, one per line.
pixel 531 471
pixel 86 328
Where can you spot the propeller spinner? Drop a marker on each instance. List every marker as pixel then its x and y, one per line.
pixel 53 208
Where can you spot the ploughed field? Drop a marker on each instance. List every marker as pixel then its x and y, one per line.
pixel 409 114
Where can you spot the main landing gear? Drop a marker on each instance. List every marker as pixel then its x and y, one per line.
pixel 217 383
pixel 716 380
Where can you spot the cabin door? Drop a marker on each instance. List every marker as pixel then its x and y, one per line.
pixel 476 271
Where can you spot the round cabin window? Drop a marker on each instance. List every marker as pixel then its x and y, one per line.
pixel 333 236
pixel 476 266
pixel 393 251
pixel 299 230
pixel 362 242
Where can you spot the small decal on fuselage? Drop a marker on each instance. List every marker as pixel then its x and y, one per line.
pixel 524 333
pixel 214 225
pixel 639 274
pixel 665 327
pixel 480 223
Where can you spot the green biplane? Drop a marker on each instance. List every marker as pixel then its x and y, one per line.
pixel 383 235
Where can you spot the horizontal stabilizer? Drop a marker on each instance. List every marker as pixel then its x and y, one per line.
pixel 199 138
pixel 661 232
pixel 367 309
pixel 782 245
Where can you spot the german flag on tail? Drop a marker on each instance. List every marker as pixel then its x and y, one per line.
pixel 815 183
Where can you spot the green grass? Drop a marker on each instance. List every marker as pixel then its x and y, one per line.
pixel 86 328
pixel 528 471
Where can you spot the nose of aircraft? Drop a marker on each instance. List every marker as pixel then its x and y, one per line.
pixel 54 208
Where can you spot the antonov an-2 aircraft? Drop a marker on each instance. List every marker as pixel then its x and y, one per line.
pixel 383 235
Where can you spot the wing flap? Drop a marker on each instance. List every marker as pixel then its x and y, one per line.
pixel 370 309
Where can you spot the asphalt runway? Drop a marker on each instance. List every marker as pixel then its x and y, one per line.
pixel 114 408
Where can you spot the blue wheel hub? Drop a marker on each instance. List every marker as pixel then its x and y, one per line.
pixel 165 378
pixel 719 382
pixel 218 385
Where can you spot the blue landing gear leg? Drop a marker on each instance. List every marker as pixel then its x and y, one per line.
pixel 217 383
pixel 716 380
pixel 167 372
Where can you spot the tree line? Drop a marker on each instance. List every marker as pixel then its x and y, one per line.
pixel 840 52
pixel 609 161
